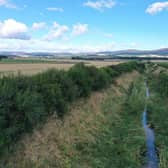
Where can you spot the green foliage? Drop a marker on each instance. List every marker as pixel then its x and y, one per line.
pixel 163 64
pixel 158 114
pixel 159 83
pixel 163 84
pixel 136 98
pixel 127 67
pixel 80 75
pixel 120 142
pixel 158 118
pixel 27 101
pixel 31 106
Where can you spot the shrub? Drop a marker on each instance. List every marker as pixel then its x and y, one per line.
pixel 31 109
pixel 81 78
pixel 26 101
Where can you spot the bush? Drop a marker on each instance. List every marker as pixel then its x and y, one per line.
pixel 26 101
pixel 30 105
pixel 159 83
pixel 81 78
pixel 128 67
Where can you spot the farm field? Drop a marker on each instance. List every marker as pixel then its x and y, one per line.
pixel 28 103
pixel 29 67
pixel 86 117
pixel 83 84
pixel 88 135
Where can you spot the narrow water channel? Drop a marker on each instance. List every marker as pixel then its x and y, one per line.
pixel 151 154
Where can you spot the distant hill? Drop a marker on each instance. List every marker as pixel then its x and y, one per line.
pixel 163 51
pixel 130 52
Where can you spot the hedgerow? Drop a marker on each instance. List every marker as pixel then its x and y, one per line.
pixel 25 101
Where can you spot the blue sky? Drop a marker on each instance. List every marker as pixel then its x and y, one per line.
pixel 82 25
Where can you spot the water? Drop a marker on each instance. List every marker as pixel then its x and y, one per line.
pixel 147 92
pixel 151 155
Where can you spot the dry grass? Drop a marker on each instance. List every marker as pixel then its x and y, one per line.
pixel 100 64
pixel 127 79
pixel 29 69
pixel 53 145
pixel 56 140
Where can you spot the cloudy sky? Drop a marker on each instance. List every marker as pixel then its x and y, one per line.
pixel 82 25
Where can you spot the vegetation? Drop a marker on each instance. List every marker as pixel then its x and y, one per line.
pixel 2 57
pixel 27 101
pixel 117 138
pixel 103 130
pixel 121 141
pixel 32 66
pixel 163 64
pixel 159 114
pixel 22 60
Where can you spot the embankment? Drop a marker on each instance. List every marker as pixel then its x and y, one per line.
pixel 103 130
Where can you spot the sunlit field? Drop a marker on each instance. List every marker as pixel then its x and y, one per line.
pixel 83 84
pixel 29 67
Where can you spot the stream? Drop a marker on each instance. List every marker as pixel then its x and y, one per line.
pixel 151 154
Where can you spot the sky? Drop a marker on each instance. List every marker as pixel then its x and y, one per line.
pixel 82 25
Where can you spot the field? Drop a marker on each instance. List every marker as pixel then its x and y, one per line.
pixel 85 117
pixel 91 135
pixel 33 66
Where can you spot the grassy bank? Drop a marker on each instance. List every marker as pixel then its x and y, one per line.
pixel 158 113
pixel 26 102
pixel 101 131
pixel 121 140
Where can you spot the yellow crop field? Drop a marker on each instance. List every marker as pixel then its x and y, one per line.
pixel 33 68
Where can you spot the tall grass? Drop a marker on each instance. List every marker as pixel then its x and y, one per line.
pixel 121 140
pixel 27 101
pixel 158 113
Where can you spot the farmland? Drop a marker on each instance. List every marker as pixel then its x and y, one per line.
pixel 83 84
pixel 83 116
pixel 33 66
pixel 78 140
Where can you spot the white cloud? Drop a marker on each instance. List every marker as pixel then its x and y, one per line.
pixel 133 45
pixel 35 45
pixel 108 35
pixel 57 31
pixel 7 4
pixel 79 29
pixel 97 47
pixel 157 7
pixel 39 25
pixel 55 9
pixel 12 29
pixel 100 4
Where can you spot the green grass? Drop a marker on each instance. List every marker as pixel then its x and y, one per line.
pixel 158 113
pixel 121 140
pixel 26 61
pixel 117 135
pixel 36 61
pixel 159 119
pixel 163 64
